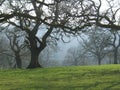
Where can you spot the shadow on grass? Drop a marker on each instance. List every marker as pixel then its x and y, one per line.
pixel 112 85
pixel 91 85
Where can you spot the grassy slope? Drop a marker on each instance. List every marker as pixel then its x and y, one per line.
pixel 106 77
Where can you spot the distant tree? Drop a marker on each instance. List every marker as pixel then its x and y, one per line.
pixel 119 56
pixel 115 45
pixel 16 45
pixel 47 56
pixel 97 43
pixel 75 56
pixel 110 57
pixel 2 49
pixel 4 58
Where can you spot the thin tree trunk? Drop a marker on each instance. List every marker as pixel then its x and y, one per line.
pixel 18 60
pixel 115 56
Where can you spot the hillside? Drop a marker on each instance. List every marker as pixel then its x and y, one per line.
pixel 105 77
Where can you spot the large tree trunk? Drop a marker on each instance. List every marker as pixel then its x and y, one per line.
pixel 99 60
pixel 36 47
pixel 115 55
pixel 34 63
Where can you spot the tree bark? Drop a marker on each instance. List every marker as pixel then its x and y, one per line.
pixel 34 63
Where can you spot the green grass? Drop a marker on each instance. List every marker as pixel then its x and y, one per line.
pixel 105 77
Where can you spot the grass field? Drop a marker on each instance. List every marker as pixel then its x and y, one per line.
pixel 105 77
